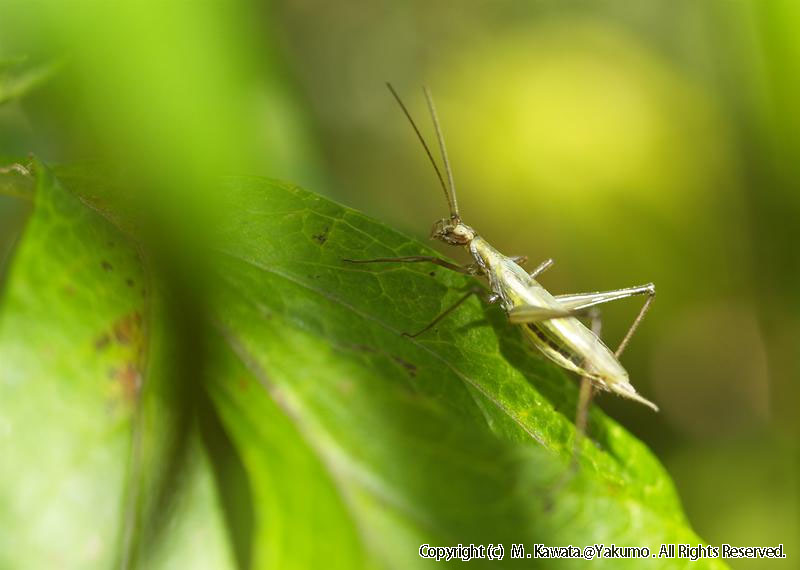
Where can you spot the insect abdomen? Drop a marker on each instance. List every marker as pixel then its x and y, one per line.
pixel 554 347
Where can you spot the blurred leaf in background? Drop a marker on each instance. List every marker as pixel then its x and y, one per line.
pixel 172 96
pixel 19 76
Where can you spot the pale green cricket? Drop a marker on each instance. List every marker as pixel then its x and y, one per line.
pixel 549 322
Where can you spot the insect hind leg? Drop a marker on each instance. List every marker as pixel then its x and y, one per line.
pixel 651 295
pixel 585 395
pixel 586 300
pixel 580 301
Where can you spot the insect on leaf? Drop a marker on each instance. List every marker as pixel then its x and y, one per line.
pixel 334 441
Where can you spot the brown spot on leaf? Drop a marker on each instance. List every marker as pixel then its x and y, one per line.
pixel 102 341
pixel 129 380
pixel 129 282
pixel 410 368
pixel 106 266
pixel 128 328
pixel 322 236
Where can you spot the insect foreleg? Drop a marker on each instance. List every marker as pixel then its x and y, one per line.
pixel 470 269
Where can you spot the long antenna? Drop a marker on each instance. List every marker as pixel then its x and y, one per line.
pixel 450 203
pixel 443 150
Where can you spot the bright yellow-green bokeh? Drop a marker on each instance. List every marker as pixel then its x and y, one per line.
pixel 576 123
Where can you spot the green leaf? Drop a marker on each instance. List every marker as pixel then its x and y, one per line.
pixel 334 441
pixel 76 429
pixel 19 76
pixel 461 435
pixel 70 348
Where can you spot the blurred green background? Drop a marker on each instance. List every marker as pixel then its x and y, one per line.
pixel 630 141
